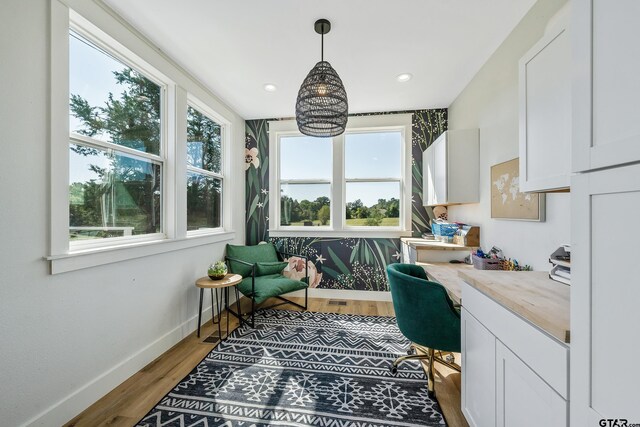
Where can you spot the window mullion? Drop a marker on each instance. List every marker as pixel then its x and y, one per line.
pixel 338 185
pixel 169 150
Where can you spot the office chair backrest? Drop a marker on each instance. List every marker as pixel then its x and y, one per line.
pixel 424 311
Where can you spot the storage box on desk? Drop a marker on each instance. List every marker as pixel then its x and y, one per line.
pixel 444 229
pixel 486 263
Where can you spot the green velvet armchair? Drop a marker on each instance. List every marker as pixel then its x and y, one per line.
pixel 261 269
pixel 425 315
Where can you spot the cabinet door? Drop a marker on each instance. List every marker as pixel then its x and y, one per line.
pixel 523 399
pixel 478 373
pixel 605 343
pixel 441 171
pixel 428 175
pixel 545 113
pixel 606 56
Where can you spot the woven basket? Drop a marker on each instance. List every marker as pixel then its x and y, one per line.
pixel 486 263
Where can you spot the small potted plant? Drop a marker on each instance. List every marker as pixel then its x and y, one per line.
pixel 217 270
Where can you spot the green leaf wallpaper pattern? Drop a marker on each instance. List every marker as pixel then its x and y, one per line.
pixel 345 263
pixel 342 263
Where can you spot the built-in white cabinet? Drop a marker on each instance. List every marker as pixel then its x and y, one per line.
pixel 545 110
pixel 605 140
pixel 478 397
pixel 451 169
pixel 523 399
pixel 513 373
pixel 606 89
pixel 605 291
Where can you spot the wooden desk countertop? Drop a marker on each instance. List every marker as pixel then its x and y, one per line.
pixel 529 294
pixel 446 274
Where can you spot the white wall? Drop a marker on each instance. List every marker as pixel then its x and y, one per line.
pixel 69 338
pixel 490 103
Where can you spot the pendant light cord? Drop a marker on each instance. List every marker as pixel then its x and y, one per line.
pixel 322 46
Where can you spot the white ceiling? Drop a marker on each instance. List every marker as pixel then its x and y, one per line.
pixel 235 47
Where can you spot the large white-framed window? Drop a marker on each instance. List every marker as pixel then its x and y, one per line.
pixel 123 120
pixel 207 141
pixel 117 144
pixel 366 186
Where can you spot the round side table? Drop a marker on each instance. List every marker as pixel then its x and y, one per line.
pixel 223 286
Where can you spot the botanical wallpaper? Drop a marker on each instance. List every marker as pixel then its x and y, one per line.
pixel 337 263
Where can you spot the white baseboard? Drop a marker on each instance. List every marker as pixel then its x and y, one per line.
pixel 73 404
pixel 344 294
pixel 70 406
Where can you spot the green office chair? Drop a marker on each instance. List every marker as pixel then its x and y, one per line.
pixel 426 316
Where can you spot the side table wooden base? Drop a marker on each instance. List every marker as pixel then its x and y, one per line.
pixel 221 301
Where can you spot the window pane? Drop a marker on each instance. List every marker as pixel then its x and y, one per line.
pixel 204 142
pixel 305 204
pixel 204 196
pixel 111 194
pixel 111 102
pixel 304 157
pixel 373 155
pixel 373 204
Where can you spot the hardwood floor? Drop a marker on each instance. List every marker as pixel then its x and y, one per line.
pixel 131 400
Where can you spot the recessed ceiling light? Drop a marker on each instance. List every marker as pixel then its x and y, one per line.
pixel 404 77
pixel 270 87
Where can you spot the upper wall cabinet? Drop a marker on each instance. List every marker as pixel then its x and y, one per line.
pixel 606 89
pixel 452 169
pixel 545 110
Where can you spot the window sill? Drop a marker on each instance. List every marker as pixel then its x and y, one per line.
pixel 317 232
pixel 91 258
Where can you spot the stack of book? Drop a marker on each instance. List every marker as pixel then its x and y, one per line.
pixel 561 265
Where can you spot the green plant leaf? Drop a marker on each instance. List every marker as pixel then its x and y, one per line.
pixel 338 262
pixel 264 169
pixel 330 272
pixel 254 203
pixel 381 254
pixel 250 184
pixel 386 242
pixel 252 237
pixel 354 253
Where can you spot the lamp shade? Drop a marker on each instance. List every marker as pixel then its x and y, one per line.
pixel 322 107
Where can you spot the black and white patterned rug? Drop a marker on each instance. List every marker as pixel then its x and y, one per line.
pixel 303 369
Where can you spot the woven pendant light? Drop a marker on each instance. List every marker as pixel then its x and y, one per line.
pixel 322 107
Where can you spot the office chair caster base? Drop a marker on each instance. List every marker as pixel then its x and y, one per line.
pixel 431 394
pixel 411 351
pixel 393 369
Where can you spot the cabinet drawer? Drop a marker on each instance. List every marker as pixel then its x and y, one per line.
pixel 546 356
